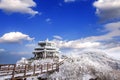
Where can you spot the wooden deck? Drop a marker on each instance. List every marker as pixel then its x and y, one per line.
pixel 14 72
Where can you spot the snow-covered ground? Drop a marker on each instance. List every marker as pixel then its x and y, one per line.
pixel 82 66
pixel 23 61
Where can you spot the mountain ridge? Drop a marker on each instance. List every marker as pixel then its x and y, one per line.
pixel 93 64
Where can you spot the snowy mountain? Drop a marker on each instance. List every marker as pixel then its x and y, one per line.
pixel 96 59
pixel 87 65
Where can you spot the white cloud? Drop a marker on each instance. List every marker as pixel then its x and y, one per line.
pixel 48 20
pixel 114 49
pixel 13 37
pixel 2 50
pixel 115 52
pixel 57 37
pixel 107 9
pixel 21 53
pixel 30 45
pixel 112 29
pixel 20 6
pixel 106 42
pixel 69 1
pixel 76 44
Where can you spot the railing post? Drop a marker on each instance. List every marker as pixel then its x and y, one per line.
pixel 25 70
pixel 22 66
pixel 29 67
pixel 52 66
pixel 41 68
pixel 13 73
pixel 34 69
pixel 0 67
pixel 18 67
pixel 58 67
pixel 8 67
pixel 47 67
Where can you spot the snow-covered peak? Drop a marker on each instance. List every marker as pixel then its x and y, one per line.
pixel 95 58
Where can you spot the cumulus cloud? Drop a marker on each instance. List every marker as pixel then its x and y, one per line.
pixel 76 44
pixel 107 9
pixel 14 37
pixel 18 6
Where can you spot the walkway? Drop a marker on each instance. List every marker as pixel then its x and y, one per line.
pixel 13 71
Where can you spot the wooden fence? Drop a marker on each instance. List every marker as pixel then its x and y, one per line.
pixel 13 71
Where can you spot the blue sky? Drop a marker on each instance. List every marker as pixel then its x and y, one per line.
pixel 69 23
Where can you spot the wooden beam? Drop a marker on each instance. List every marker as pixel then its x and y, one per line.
pixel 13 73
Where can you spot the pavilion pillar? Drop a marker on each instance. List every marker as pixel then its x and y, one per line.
pixel 45 54
pixel 36 55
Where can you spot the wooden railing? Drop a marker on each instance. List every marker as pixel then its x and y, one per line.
pixel 14 71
